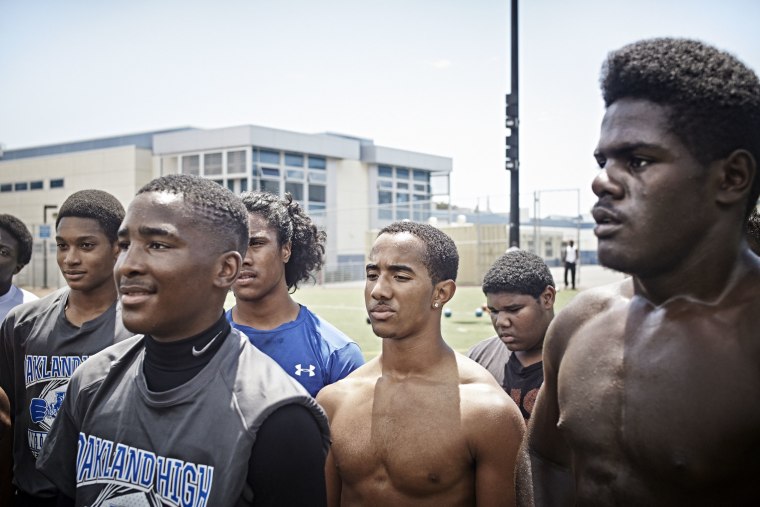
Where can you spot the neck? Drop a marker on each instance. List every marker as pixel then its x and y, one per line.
pixel 413 356
pixel 83 306
pixel 4 288
pixel 266 313
pixel 703 278
pixel 529 357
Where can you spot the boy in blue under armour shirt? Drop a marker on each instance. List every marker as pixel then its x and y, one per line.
pixel 285 247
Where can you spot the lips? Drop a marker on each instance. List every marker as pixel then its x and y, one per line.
pixel 133 294
pixel 608 221
pixel 245 277
pixel 381 312
pixel 72 275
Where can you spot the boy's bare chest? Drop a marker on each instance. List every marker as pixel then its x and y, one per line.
pixel 664 392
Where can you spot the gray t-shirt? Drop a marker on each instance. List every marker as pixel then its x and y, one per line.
pixel 117 442
pixel 39 351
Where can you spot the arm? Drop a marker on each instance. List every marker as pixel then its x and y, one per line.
pixel 544 472
pixel 332 477
pixel 6 419
pixel 287 461
pixel 497 433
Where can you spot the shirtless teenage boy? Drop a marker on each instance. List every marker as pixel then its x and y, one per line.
pixel 650 386
pixel 419 425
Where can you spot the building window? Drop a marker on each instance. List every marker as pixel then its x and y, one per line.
pixel 420 188
pixel 385 171
pixel 6 187
pixel 273 187
pixel 243 185
pixel 317 177
pixel 296 190
pixel 235 162
pixel 402 186
pixel 21 186
pixel 36 185
pixel 421 175
pixel 294 159
pixel 295 174
pixel 212 164
pixel 402 197
pixel 57 183
pixel 270 172
pixel 317 163
pixel 269 157
pixel 317 193
pixel 402 173
pixel 548 249
pixel 191 165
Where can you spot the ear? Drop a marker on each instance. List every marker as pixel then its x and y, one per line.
pixel 115 250
pixel 547 297
pixel 443 292
pixel 285 251
pixel 19 267
pixel 228 269
pixel 735 176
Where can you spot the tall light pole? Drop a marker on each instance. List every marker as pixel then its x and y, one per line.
pixel 512 163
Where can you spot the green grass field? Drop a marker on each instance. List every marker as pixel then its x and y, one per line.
pixel 344 308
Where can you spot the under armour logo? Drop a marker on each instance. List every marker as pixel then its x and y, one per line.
pixel 309 370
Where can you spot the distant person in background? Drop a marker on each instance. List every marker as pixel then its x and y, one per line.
pixel 15 253
pixel 44 341
pixel 753 231
pixel 519 291
pixel 420 424
pixel 570 258
pixel 284 249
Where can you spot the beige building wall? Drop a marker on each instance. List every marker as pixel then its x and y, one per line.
pixel 348 213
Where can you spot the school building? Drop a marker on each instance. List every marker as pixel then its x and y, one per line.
pixel 349 185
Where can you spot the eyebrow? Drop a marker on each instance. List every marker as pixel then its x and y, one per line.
pixel 58 237
pixel 625 148
pixel 146 230
pixel 393 267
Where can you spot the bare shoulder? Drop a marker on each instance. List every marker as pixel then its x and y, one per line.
pixel 481 396
pixel 354 385
pixel 584 308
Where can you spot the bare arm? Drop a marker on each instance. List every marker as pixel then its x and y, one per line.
pixel 499 433
pixel 332 477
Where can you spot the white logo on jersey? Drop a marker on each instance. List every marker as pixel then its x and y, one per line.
pixel 309 370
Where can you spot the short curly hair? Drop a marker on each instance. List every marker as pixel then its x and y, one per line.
pixel 217 208
pixel 753 231
pixel 20 232
pixel 307 242
pixel 97 205
pixel 713 98
pixel 441 255
pixel 518 272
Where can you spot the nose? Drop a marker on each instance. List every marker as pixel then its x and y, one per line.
pixel 129 263
pixel 248 259
pixel 379 289
pixel 604 185
pixel 501 319
pixel 71 257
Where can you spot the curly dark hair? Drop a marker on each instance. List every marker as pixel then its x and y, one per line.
pixel 18 230
pixel 96 204
pixel 441 255
pixel 220 210
pixel 753 231
pixel 518 272
pixel 713 98
pixel 307 242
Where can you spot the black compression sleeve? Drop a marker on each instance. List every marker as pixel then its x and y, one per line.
pixel 287 465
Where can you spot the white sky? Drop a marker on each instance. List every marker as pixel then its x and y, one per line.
pixel 422 75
